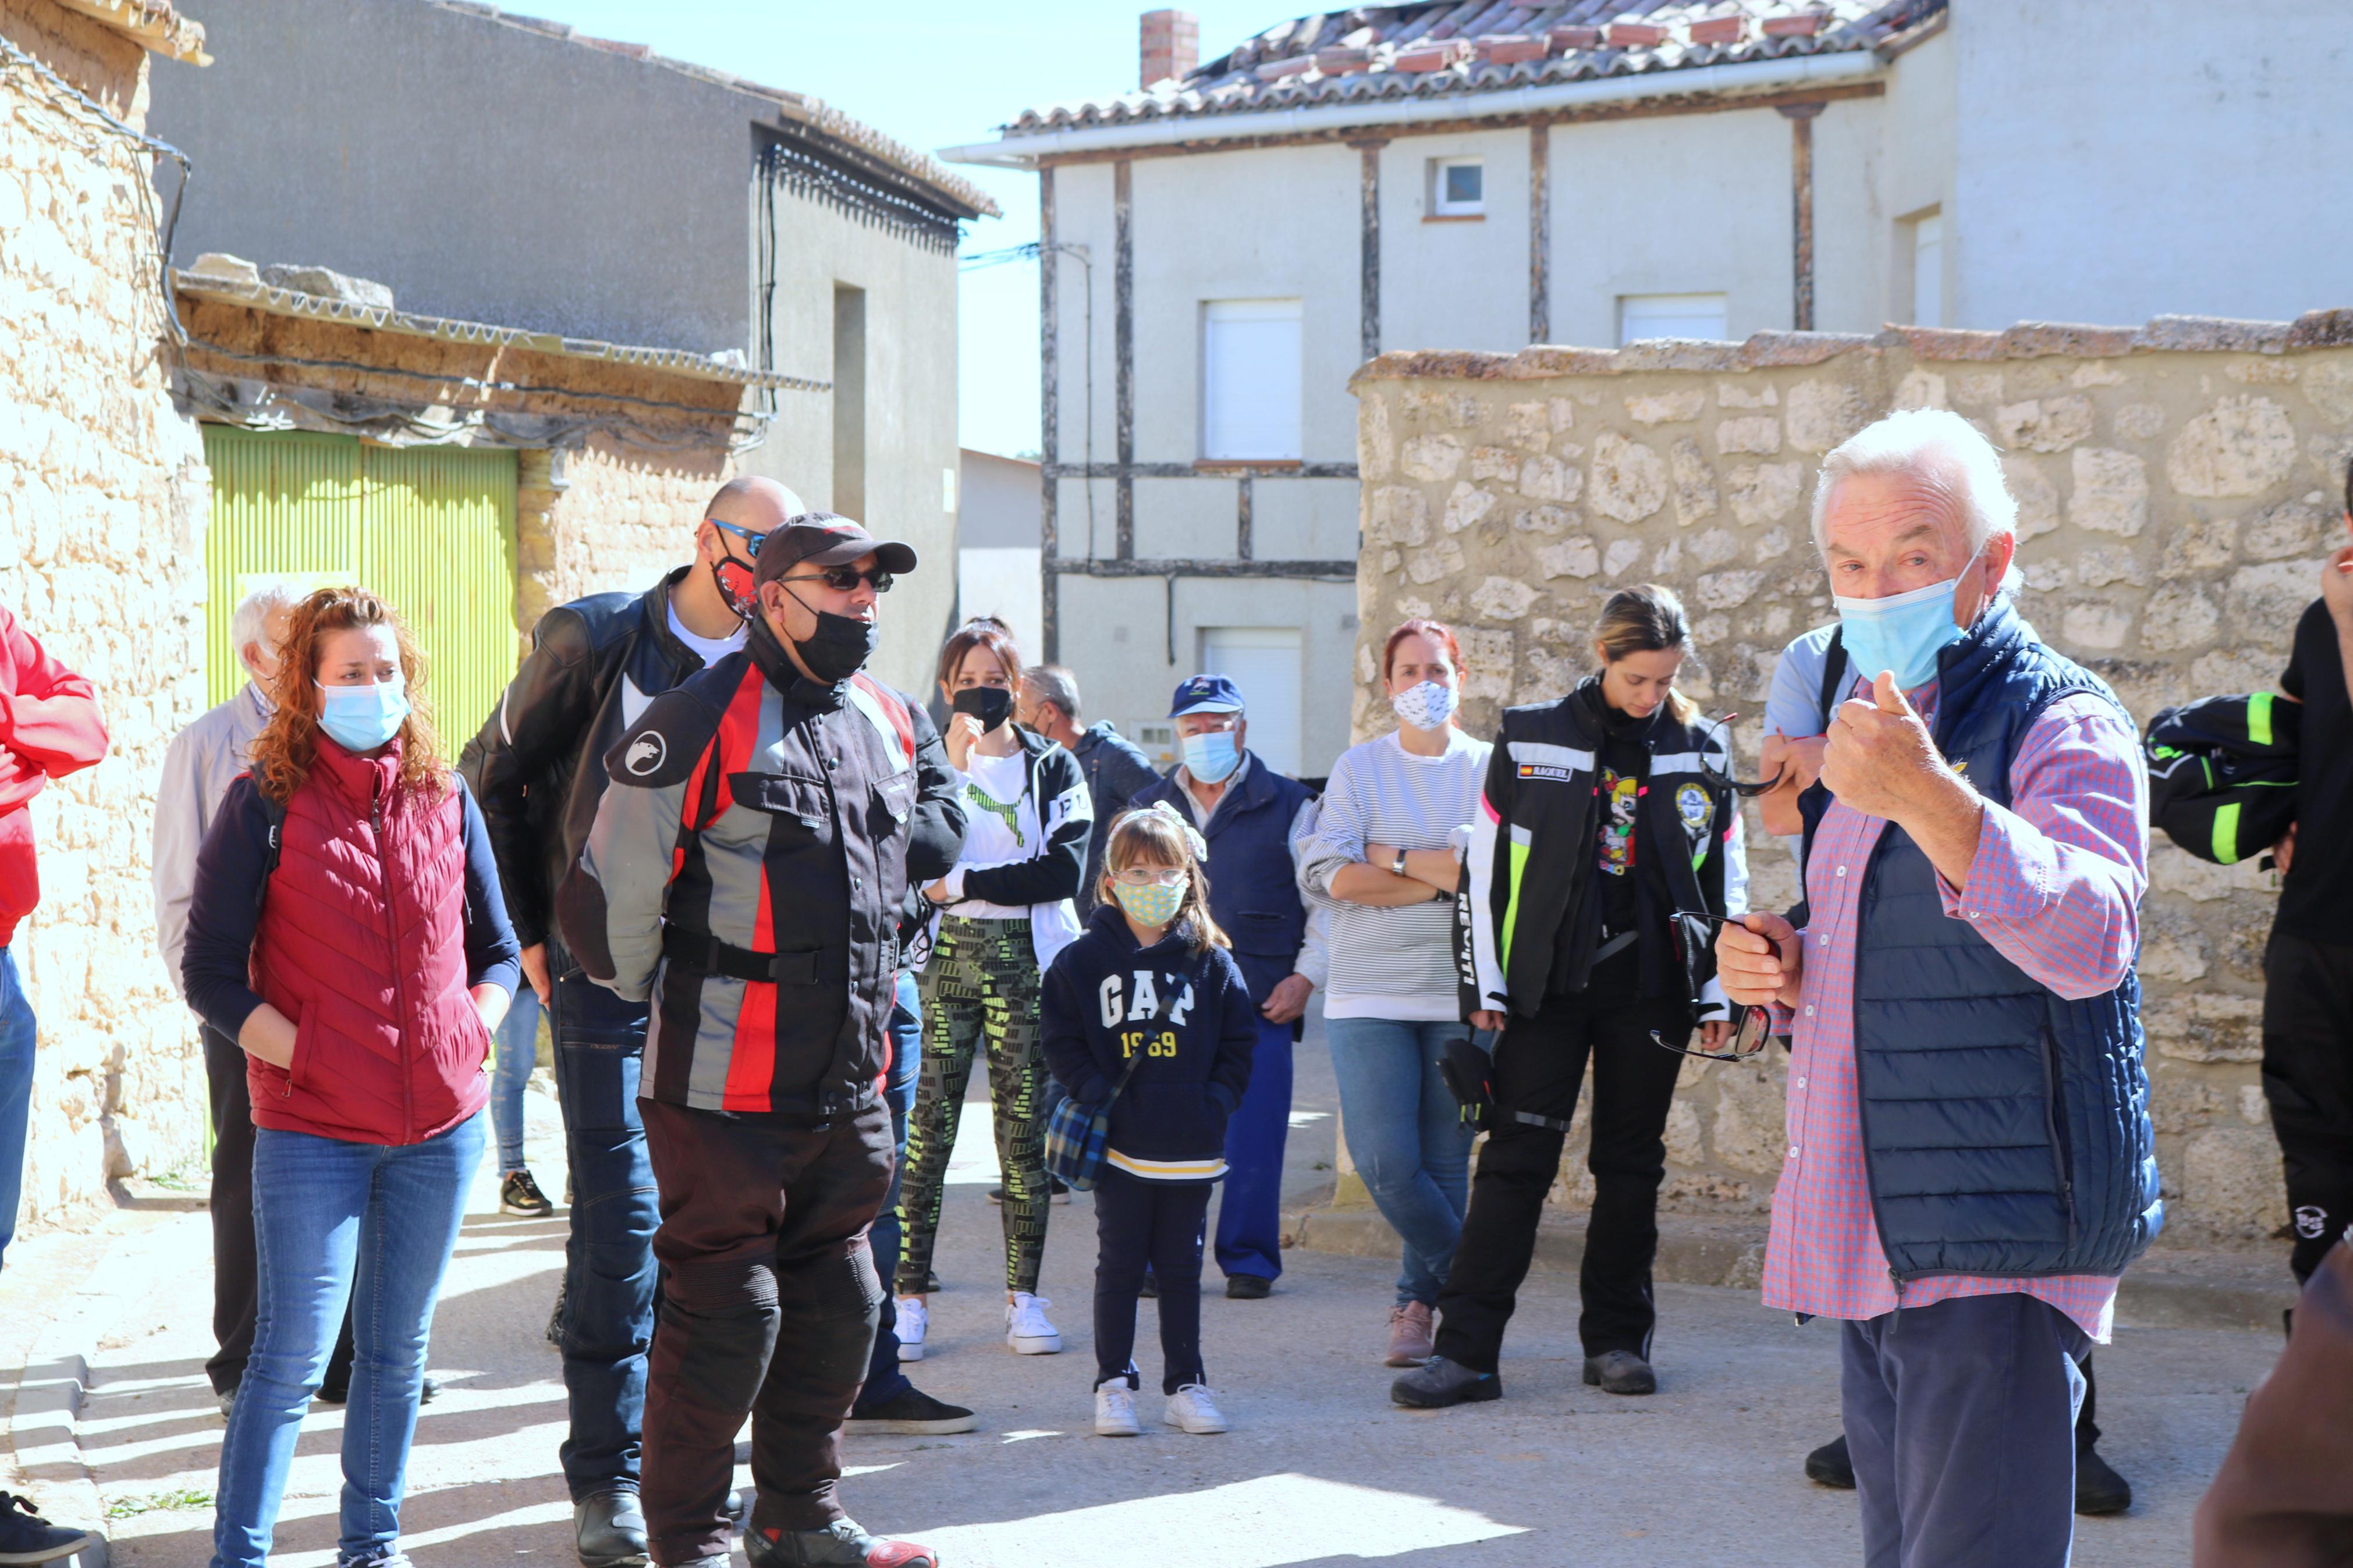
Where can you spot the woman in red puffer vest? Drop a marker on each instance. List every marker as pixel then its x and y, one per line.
pixel 347 930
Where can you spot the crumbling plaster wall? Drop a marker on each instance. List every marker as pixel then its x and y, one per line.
pixel 102 494
pixel 2178 489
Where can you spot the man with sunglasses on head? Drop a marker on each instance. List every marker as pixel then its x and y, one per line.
pixel 537 769
pixel 745 875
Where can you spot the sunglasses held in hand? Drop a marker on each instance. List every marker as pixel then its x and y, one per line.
pixel 1752 1025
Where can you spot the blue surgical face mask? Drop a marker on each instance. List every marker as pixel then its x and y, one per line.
pixel 362 718
pixel 1211 755
pixel 1902 634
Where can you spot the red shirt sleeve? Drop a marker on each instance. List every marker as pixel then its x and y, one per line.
pixel 49 718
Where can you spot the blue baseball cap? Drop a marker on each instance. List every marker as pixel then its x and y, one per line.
pixel 1205 694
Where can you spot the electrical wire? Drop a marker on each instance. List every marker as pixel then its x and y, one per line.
pixel 982 259
pixel 66 99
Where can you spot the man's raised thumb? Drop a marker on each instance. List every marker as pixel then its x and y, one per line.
pixel 1889 695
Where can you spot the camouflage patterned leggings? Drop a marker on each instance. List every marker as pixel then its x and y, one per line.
pixel 980 988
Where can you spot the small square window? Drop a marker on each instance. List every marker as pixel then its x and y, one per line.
pixel 1458 187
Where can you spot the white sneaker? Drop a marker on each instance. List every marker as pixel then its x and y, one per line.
pixel 1192 1409
pixel 1025 1327
pixel 1115 1411
pixel 914 1317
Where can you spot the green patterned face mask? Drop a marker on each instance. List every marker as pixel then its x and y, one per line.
pixel 1153 903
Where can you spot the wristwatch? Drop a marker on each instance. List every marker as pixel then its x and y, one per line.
pixel 1396 867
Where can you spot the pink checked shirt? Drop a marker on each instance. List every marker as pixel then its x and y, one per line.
pixel 2057 888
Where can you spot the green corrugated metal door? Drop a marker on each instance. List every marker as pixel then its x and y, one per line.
pixel 429 528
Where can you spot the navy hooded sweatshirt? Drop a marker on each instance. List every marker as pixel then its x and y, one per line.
pixel 1190 1017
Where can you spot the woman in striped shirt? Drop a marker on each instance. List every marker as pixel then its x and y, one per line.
pixel 1381 858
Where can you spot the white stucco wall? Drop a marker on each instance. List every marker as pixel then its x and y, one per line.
pixel 1453 283
pixel 2114 163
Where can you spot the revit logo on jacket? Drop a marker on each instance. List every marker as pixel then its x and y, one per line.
pixel 647 753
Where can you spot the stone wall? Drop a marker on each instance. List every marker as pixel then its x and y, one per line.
pixel 2177 487
pixel 102 494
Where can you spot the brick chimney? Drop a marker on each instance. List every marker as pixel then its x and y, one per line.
pixel 1172 45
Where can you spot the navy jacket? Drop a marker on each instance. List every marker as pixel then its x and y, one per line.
pixel 1191 1016
pixel 1253 886
pixel 2006 1129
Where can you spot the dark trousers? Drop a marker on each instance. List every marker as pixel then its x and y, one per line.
pixel 769 1301
pixel 1539 1068
pixel 1159 1223
pixel 885 1380
pixel 2308 1079
pixel 1959 1419
pixel 236 1270
pixel 609 1259
pixel 1250 1215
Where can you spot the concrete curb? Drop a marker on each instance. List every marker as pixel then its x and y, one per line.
pixel 2166 1289
pixel 43 1430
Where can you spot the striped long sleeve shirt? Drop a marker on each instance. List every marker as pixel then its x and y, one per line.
pixel 1390 963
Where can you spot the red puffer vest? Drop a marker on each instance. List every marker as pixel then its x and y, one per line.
pixel 362 943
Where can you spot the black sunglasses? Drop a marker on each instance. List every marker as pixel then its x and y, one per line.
pixel 844 579
pixel 1752 1025
pixel 1741 786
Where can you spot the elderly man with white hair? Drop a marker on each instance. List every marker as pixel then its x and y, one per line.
pixel 197 768
pixel 1970 1164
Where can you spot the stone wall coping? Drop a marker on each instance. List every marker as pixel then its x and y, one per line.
pixel 154 25
pixel 1769 350
pixel 276 301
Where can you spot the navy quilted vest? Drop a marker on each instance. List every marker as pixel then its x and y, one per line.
pixel 1254 888
pixel 2006 1129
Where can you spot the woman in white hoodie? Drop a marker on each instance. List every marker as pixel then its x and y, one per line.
pixel 1004 912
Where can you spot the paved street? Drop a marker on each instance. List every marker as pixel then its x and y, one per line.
pixel 1319 1468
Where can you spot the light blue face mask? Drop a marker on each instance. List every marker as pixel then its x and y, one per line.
pixel 1903 633
pixel 361 718
pixel 1211 755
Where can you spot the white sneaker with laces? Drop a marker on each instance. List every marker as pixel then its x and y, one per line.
pixel 914 1317
pixel 1191 1409
pixel 1025 1327
pixel 1115 1411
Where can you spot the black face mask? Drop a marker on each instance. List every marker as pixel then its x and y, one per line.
pixel 992 705
pixel 841 645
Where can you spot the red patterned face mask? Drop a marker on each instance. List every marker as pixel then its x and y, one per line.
pixel 734 580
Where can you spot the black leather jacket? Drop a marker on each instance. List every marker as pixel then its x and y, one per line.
pixel 537 767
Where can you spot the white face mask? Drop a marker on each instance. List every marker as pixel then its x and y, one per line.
pixel 1426 706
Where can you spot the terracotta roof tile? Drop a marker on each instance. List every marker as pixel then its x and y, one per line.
pixel 1390 51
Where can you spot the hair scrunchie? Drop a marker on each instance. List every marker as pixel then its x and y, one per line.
pixel 1200 846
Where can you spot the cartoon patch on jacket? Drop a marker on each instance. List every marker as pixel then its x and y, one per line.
pixel 1619 797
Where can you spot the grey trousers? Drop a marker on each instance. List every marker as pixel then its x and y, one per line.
pixel 1960 1418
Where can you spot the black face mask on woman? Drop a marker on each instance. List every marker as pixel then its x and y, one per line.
pixel 840 646
pixel 992 705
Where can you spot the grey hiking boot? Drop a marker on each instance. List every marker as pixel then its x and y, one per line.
pixel 1621 1372
pixel 1439 1383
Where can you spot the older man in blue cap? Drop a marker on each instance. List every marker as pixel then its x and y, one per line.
pixel 1248 812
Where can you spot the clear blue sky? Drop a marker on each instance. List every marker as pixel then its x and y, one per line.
pixel 933 74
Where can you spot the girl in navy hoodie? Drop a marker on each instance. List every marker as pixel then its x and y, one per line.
pixel 1151 981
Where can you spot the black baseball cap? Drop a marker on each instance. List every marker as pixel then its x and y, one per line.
pixel 821 539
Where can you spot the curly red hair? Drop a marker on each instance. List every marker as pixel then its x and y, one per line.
pixel 288 746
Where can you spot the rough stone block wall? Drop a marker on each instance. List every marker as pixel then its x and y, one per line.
pixel 619 520
pixel 2177 487
pixel 102 496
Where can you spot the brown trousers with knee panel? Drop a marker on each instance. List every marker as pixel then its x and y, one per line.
pixel 769 1303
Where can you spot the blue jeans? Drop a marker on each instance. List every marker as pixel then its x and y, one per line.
pixel 517 1053
pixel 885 1380
pixel 17 1039
pixel 1407 1138
pixel 1960 1418
pixel 609 1259
pixel 334 1222
pixel 1249 1213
